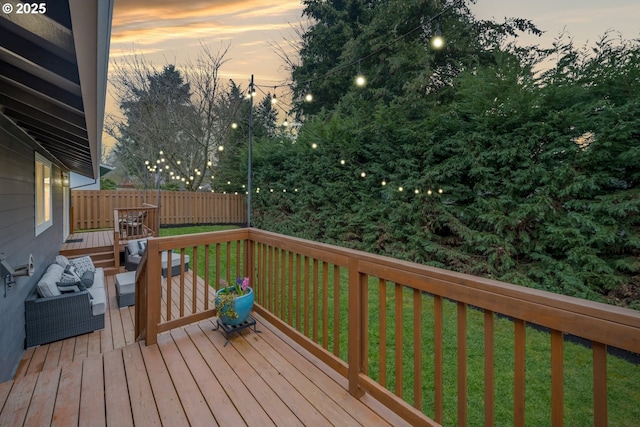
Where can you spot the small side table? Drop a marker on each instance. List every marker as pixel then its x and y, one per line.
pixel 229 330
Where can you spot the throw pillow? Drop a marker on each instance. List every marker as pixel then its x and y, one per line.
pixel 69 275
pixel 62 261
pixel 82 264
pixel 142 245
pixel 70 287
pixel 47 285
pixel 87 279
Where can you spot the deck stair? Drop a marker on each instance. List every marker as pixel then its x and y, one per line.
pixel 98 245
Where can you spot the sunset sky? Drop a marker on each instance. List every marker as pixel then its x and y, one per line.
pixel 171 31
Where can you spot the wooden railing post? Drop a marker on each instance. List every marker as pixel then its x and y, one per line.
pixel 249 258
pixel 355 329
pixel 141 299
pixel 116 239
pixel 154 269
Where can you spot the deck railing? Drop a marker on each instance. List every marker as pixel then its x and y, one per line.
pixel 133 223
pixel 362 313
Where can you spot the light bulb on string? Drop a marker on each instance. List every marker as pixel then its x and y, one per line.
pixel 274 99
pixel 286 122
pixel 360 80
pixel 440 191
pixel 437 42
pixel 234 125
pixel 309 96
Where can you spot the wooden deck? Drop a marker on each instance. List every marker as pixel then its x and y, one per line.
pixel 87 241
pixel 189 378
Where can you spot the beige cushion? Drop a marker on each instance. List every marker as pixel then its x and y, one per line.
pixel 48 284
pixel 97 291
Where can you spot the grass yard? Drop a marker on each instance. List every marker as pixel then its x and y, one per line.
pixel 623 377
pixel 222 258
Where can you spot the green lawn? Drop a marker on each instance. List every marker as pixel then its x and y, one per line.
pixel 227 267
pixel 623 377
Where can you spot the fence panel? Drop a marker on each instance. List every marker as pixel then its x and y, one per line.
pixel 93 209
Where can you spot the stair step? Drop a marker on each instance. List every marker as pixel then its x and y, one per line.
pixel 74 253
pixel 105 255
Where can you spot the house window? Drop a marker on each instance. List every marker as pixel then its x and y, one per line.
pixel 43 203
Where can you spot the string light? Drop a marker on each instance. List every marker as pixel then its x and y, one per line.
pixel 437 42
pixel 438 32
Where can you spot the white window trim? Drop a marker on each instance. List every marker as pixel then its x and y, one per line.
pixel 40 195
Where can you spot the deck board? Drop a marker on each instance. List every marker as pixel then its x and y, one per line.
pixel 17 403
pixel 117 403
pixel 250 411
pixel 143 405
pixel 92 404
pixel 278 411
pixel 167 400
pixel 41 410
pixel 66 410
pixel 197 409
pixel 221 405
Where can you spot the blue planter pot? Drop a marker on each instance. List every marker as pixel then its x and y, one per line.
pixel 242 305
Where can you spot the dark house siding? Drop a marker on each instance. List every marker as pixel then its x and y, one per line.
pixel 18 240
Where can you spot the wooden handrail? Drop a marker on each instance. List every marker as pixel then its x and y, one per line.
pixel 310 290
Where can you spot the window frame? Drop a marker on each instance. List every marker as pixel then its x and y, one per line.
pixel 43 194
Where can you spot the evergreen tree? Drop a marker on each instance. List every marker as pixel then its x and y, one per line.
pixel 531 179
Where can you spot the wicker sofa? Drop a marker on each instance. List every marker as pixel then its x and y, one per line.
pixel 51 315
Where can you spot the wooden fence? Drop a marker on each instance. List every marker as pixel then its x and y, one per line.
pixel 93 209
